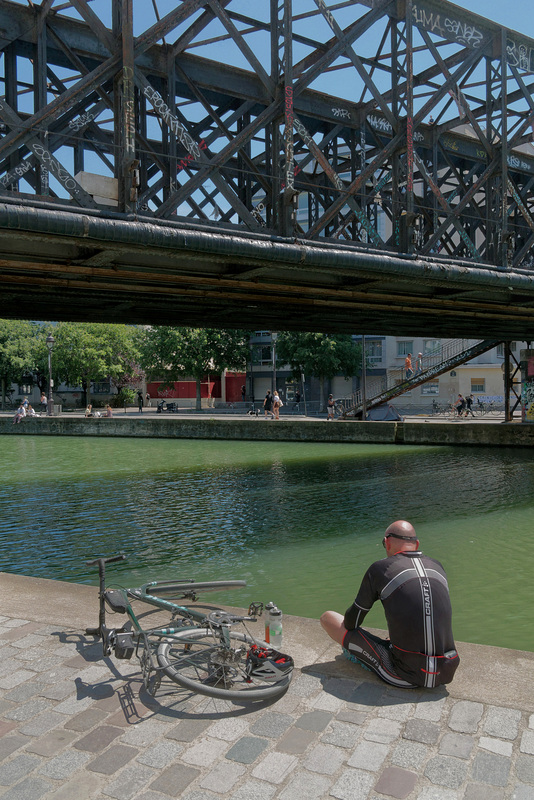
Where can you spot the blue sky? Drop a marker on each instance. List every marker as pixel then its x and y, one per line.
pixel 514 14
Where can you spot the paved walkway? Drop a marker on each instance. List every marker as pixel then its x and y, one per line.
pixel 74 726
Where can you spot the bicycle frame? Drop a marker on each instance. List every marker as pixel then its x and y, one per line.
pixel 123 641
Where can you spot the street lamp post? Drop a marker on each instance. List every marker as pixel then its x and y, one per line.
pixel 50 342
pixel 274 337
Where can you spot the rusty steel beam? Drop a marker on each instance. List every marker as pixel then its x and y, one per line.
pixel 333 146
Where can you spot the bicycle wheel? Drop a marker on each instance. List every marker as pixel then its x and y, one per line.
pixel 197 659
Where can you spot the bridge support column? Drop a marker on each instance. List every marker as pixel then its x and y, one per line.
pixel 126 169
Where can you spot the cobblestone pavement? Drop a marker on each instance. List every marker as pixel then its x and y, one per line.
pixel 75 726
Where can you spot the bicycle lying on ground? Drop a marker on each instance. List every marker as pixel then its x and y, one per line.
pixel 210 652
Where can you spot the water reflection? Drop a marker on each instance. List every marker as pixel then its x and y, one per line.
pixel 300 522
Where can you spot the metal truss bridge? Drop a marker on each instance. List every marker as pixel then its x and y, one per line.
pixel 364 166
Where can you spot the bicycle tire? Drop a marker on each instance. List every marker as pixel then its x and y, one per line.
pixel 188 660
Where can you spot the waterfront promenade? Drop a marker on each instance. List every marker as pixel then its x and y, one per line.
pixel 212 424
pixel 74 726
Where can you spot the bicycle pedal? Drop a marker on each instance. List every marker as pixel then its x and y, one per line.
pixel 153 684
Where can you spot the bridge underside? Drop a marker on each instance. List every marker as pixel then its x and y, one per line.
pixel 350 165
pixel 126 271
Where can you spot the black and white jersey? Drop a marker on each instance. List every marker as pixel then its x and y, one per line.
pixel 414 592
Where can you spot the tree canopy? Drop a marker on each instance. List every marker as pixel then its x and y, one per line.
pixel 321 354
pixel 83 352
pixel 19 342
pixel 89 352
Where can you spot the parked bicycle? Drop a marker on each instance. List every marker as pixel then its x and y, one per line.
pixel 165 406
pixel 480 408
pixel 443 409
pixel 210 652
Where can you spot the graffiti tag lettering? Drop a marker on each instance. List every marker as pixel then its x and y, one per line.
pixel 453 29
pixel 80 122
pixel 172 122
pixel 188 159
pixel 18 172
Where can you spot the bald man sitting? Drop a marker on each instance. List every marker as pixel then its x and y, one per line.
pixel 420 651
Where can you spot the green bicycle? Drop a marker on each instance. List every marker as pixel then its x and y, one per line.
pixel 210 652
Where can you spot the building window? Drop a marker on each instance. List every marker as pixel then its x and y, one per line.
pixel 478 385
pixel 101 388
pixel 430 388
pixel 262 334
pixel 500 348
pixel 373 351
pixel 403 348
pixel 431 346
pixel 263 355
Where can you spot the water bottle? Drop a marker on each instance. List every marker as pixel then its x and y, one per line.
pixel 268 608
pixel 275 628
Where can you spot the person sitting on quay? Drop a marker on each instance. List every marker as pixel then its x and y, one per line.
pixel 89 410
pixel 412 587
pixel 19 414
pixel 109 412
pixel 31 412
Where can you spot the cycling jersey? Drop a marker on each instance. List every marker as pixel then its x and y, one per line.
pixel 414 592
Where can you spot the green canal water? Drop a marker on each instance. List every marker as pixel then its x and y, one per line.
pixel 300 522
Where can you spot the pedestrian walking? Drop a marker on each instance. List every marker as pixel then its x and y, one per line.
pixel 277 404
pixel 419 363
pixel 460 405
pixel 140 402
pixel 331 407
pixel 268 404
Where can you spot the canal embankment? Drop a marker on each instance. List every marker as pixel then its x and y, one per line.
pixel 421 432
pixel 75 725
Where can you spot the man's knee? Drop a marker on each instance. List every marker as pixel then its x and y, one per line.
pixel 332 623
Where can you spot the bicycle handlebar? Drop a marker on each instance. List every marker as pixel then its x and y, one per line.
pixel 220 617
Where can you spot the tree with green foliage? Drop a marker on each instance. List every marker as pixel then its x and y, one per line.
pixel 170 353
pixel 19 343
pixel 92 352
pixel 320 354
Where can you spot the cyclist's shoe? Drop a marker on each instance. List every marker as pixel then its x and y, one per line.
pixel 268 664
pixel 350 657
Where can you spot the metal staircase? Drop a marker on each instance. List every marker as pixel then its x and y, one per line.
pixel 386 387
